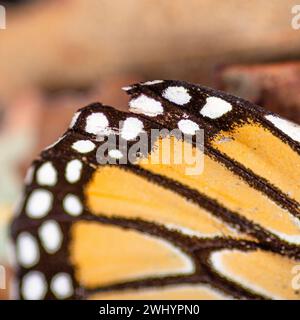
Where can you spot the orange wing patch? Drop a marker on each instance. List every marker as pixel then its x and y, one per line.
pixel 221 184
pixel 151 229
pixel 263 272
pixel 115 192
pixel 104 255
pixel 258 149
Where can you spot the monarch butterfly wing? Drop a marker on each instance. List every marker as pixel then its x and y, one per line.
pixel 121 179
pixel 112 193
pixel 190 242
pixel 232 124
pixel 244 124
pixel 238 129
pixel 72 203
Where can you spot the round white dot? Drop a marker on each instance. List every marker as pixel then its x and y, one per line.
pixel 132 127
pixel 61 286
pixel 72 205
pixel 51 236
pixel 97 123
pixel 83 146
pixel 73 170
pixel 215 108
pixel 74 119
pixel 39 203
pixel 46 175
pixel 145 105
pixel 116 154
pixel 28 253
pixel 178 95
pixel 34 286
pixel 188 126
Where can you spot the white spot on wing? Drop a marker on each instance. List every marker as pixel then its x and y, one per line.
pixel 27 250
pixel 83 146
pixel 97 123
pixel 73 170
pixel 178 95
pixel 72 205
pixel 146 105
pixel 149 83
pixel 39 203
pixel 215 108
pixel 51 236
pixel 61 285
pixel 126 88
pixel 132 127
pixel 289 128
pixel 34 286
pixel 46 175
pixel 188 126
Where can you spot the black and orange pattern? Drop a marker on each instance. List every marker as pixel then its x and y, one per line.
pixel 141 230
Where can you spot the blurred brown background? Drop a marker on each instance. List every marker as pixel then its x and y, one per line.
pixel 58 55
